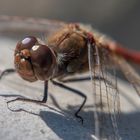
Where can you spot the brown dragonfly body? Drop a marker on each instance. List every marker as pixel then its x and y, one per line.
pixel 66 52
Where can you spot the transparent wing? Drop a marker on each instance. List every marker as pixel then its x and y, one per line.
pixel 16 24
pixel 105 94
pixel 131 75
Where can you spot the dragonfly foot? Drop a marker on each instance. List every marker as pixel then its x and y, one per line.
pixel 80 119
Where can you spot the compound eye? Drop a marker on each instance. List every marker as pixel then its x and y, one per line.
pixel 42 56
pixel 26 43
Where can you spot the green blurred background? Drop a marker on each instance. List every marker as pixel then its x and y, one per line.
pixel 120 19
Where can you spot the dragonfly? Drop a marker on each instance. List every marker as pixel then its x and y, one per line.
pixel 69 49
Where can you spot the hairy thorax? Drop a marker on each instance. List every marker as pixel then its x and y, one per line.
pixel 70 47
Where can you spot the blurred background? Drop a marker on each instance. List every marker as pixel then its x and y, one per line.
pixel 119 19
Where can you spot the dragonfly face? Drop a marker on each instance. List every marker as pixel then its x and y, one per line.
pixel 33 60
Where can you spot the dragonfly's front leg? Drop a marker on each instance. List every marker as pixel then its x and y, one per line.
pixel 44 100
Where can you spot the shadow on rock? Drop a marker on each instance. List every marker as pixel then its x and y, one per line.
pixel 70 129
pixel 65 128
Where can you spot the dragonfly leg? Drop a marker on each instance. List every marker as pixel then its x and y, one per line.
pixel 76 92
pixel 7 71
pixel 44 100
pixel 80 79
pixel 45 97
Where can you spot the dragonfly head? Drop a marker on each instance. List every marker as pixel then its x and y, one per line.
pixel 34 60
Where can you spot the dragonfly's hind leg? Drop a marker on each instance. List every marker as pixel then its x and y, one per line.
pixel 76 92
pixel 7 71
